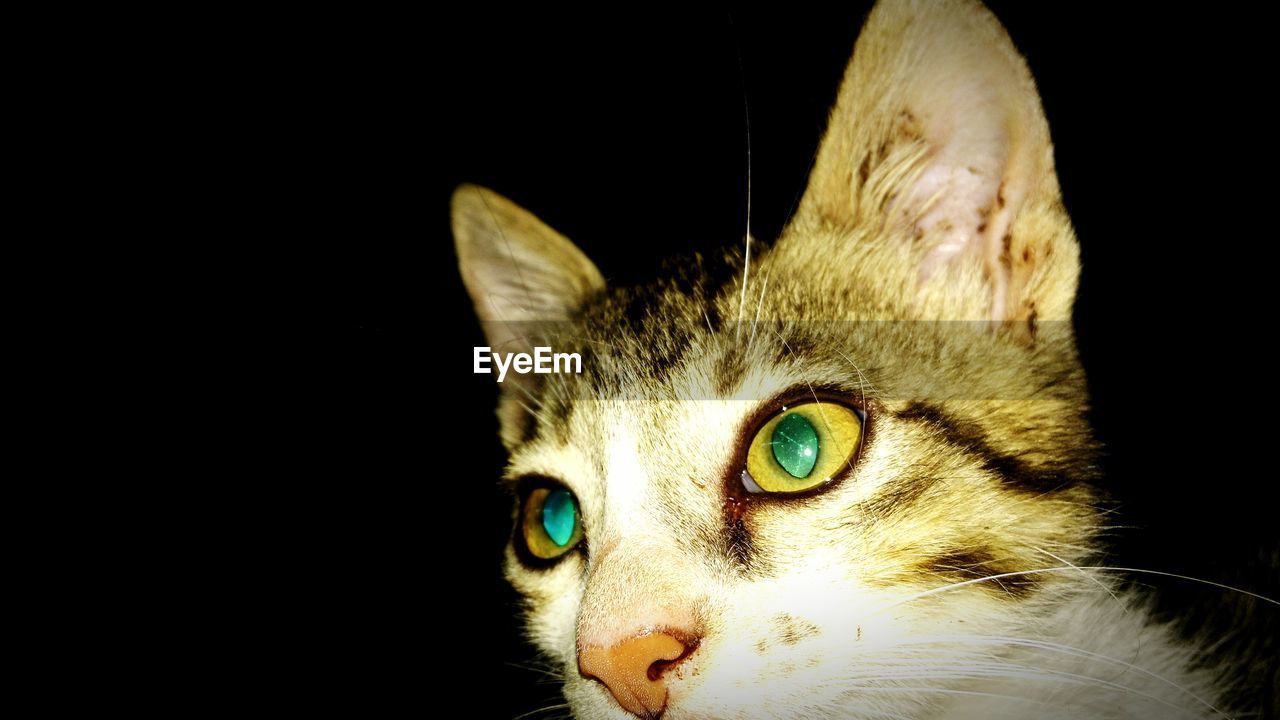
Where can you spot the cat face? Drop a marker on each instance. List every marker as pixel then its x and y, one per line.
pixel 788 480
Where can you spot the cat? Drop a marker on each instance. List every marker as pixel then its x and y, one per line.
pixel 848 475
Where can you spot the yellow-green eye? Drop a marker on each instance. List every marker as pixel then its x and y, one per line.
pixel 802 447
pixel 550 522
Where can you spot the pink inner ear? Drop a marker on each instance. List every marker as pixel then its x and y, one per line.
pixel 960 202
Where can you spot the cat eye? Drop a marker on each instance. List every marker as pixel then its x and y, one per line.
pixel 802 447
pixel 550 522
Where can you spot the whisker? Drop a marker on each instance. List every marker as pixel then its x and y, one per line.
pixel 1124 610
pixel 548 708
pixel 952 691
pixel 1042 677
pixel 534 669
pixel 862 379
pixel 1020 573
pixel 758 306
pixel 742 302
pixel 1041 674
pixel 1034 675
pixel 1086 575
pixel 1061 648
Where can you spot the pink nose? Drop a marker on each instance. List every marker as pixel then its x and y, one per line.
pixel 634 669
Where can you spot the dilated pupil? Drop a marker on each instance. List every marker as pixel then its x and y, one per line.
pixel 559 515
pixel 795 445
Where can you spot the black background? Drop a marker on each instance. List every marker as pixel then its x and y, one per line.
pixel 627 132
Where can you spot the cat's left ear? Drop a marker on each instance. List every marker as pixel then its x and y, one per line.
pixel 938 145
pixel 523 278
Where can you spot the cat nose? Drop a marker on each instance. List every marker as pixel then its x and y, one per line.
pixel 634 669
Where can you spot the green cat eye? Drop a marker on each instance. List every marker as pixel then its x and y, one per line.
pixel 795 445
pixel 801 448
pixel 551 523
pixel 559 516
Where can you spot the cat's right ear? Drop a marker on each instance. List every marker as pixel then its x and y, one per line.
pixel 520 273
pixel 938 151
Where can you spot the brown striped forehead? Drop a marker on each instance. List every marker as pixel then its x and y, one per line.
pixel 637 341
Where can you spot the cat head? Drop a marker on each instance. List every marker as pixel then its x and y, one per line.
pixel 779 475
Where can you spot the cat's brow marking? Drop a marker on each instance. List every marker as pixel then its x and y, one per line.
pixel 896 496
pixel 968 437
pixel 980 562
